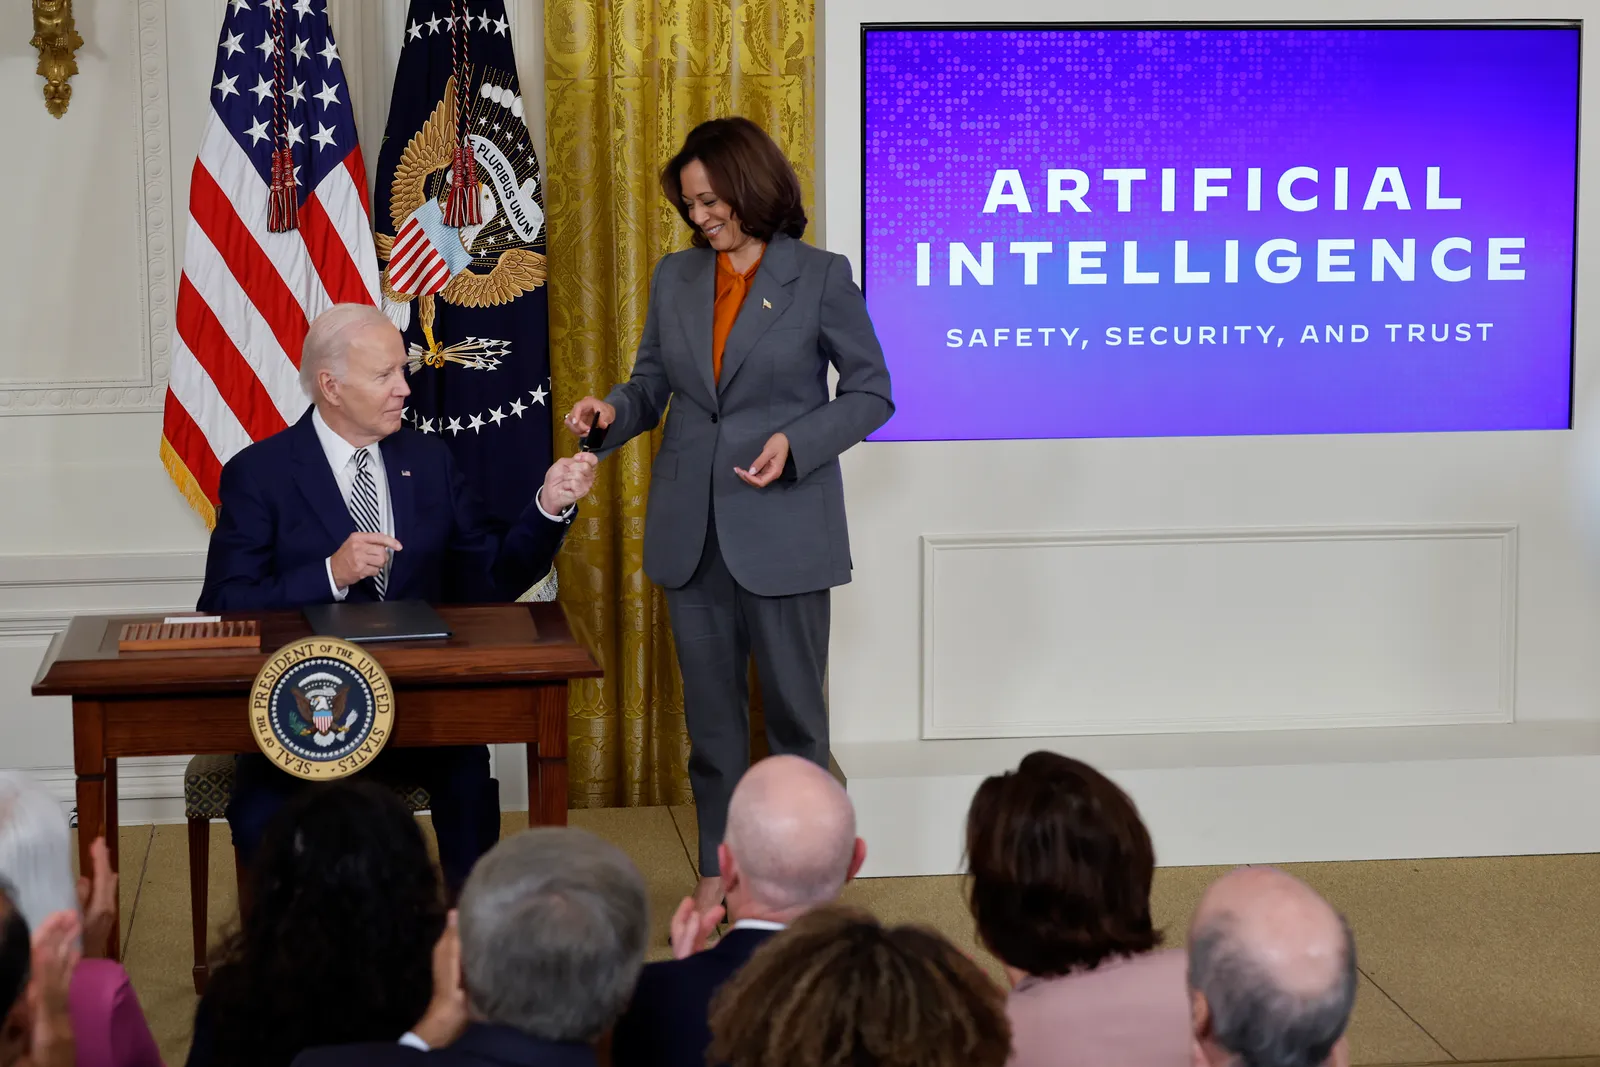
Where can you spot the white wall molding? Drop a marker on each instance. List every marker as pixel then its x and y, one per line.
pixel 152 210
pixel 1228 629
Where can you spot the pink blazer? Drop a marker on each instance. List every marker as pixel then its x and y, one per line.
pixel 1127 1012
pixel 107 1021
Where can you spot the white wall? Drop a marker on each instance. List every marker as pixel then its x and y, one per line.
pixel 95 210
pixel 1417 626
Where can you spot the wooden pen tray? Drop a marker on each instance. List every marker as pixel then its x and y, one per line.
pixel 183 636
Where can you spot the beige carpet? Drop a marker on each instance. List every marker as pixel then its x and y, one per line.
pixel 1469 960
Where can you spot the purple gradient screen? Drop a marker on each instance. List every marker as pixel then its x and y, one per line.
pixel 1095 303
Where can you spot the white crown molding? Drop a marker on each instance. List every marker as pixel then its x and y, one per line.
pixel 146 391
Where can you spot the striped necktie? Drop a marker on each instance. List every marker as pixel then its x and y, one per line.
pixel 364 509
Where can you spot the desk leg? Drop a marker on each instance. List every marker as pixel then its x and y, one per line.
pixel 547 760
pixel 97 797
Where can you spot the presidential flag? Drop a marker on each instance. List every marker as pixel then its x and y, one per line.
pixel 279 231
pixel 460 231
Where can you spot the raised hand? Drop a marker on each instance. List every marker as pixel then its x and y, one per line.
pixel 584 413
pixel 97 900
pixel 692 928
pixel 567 481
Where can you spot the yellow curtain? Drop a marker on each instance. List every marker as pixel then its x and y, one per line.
pixel 625 81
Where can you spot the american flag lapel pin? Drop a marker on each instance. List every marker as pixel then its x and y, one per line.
pixel 766 303
pixel 405 474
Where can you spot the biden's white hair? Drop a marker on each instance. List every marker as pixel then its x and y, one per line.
pixel 35 849
pixel 327 343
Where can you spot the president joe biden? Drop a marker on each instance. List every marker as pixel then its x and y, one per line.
pixel 350 504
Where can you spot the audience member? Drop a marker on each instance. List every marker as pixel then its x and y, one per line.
pixel 1272 974
pixel 552 928
pixel 35 982
pixel 36 858
pixel 836 989
pixel 338 942
pixel 1060 866
pixel 789 846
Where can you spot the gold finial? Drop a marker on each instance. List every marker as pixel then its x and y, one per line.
pixel 56 37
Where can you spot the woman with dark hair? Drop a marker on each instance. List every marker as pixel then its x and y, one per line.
pixel 1060 866
pixel 836 989
pixel 337 945
pixel 746 527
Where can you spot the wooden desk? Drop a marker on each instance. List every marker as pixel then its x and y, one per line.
pixel 501 679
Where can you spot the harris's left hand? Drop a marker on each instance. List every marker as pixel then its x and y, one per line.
pixel 567 481
pixel 765 470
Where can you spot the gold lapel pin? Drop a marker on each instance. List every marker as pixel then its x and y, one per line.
pixel 766 303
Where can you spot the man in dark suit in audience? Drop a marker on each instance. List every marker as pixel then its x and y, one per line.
pixel 1272 973
pixel 790 846
pixel 533 968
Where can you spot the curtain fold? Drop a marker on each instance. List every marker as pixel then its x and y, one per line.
pixel 625 81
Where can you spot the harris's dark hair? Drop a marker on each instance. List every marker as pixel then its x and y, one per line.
pixel 338 944
pixel 837 989
pixel 748 170
pixel 1060 866
pixel 16 951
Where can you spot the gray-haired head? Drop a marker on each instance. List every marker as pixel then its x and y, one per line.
pixel 792 834
pixel 553 926
pixel 1277 968
pixel 35 849
pixel 328 341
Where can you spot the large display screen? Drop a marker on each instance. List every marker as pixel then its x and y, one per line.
pixel 1204 230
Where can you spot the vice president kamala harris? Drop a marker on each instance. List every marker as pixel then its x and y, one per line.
pixel 745 526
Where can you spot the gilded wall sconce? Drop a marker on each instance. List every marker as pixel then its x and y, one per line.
pixel 56 38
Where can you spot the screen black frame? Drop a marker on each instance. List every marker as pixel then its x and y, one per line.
pixel 1273 24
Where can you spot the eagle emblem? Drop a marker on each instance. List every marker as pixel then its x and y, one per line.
pixel 479 265
pixel 320 699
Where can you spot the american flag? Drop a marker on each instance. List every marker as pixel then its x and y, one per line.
pixel 247 293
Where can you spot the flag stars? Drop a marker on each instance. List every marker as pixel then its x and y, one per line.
pixel 231 45
pixel 538 395
pixel 329 53
pixel 414 31
pixel 454 427
pixel 433 25
pixel 297 92
pixel 239 5
pixel 475 423
pixel 294 134
pixel 496 416
pixel 323 136
pixel 226 86
pixel 266 47
pixel 303 8
pixel 518 407
pixel 329 95
pixel 500 26
pixel 300 49
pixel 425 425
pixel 258 132
pixel 483 20
pixel 262 89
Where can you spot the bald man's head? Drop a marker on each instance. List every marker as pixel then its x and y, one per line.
pixel 1273 968
pixel 791 834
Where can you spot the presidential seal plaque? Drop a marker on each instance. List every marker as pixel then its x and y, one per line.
pixel 321 708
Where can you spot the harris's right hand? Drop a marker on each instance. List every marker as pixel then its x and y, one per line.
pixel 586 411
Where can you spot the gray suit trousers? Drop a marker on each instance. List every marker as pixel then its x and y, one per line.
pixel 716 625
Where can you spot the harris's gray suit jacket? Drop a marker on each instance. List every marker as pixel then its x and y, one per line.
pixel 803 311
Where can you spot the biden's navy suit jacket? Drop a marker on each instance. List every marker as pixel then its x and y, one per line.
pixel 282 516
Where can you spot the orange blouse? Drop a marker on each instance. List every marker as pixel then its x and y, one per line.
pixel 731 289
